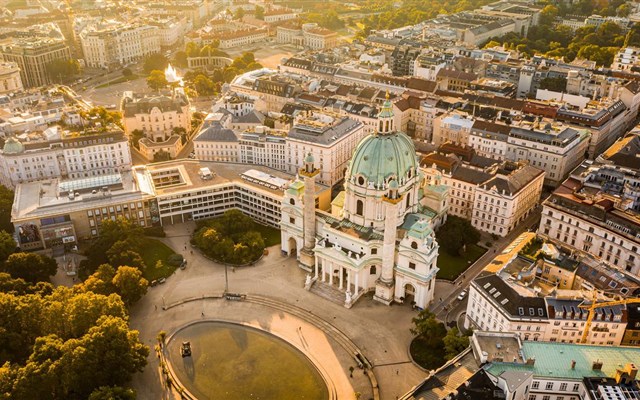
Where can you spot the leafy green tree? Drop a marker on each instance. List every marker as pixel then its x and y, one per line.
pixel 130 284
pixel 161 156
pixel 6 203
pixel 113 393
pixel 259 13
pixel 192 49
pixel 136 135
pixel 7 246
pixel 556 84
pixel 30 266
pixel 156 80
pixel 62 70
pixel 127 72
pixel 456 234
pixel 155 62
pixel 12 285
pixel 454 343
pixel 426 324
pixel 180 59
pixel 548 15
pixel 239 13
pixel 122 253
pixel 623 10
pixel 101 281
pixel 204 85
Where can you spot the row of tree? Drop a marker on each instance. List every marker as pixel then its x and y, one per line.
pixel 598 44
pixel 433 344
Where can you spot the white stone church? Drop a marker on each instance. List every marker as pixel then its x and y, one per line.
pixel 379 234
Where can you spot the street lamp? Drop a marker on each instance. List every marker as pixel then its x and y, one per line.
pixel 163 305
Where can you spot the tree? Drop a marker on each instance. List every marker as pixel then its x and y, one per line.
pixel 623 10
pixel 239 13
pixel 454 343
pixel 127 72
pixel 130 284
pixel 113 393
pixel 491 44
pixel 558 84
pixel 155 62
pixel 157 80
pixel 7 246
pixel 101 281
pixel 204 85
pixel 180 59
pixel 6 203
pixel 61 70
pixel 259 13
pixel 161 156
pixel 425 324
pixel 456 234
pixel 30 266
pixel 136 135
pixel 122 253
pixel 548 15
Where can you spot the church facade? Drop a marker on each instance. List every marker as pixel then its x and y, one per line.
pixel 379 234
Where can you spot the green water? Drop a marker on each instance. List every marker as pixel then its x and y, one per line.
pixel 236 362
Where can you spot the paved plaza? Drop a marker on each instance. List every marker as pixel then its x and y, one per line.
pixel 380 332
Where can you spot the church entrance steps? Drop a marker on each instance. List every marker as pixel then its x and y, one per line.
pixel 332 293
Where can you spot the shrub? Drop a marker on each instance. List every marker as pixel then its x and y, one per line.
pixel 155 231
pixel 175 259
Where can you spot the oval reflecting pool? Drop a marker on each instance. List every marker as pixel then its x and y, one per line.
pixel 230 361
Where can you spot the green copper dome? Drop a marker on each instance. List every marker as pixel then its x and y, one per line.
pixel 13 146
pixel 379 157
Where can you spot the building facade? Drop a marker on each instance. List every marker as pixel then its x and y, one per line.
pixel 33 56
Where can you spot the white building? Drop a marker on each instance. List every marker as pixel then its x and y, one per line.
pixel 596 209
pixel 107 47
pixel 376 237
pixel 58 154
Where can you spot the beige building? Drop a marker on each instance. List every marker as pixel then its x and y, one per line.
pixel 10 80
pixel 157 117
pixel 33 56
pixel 119 44
pixel 241 38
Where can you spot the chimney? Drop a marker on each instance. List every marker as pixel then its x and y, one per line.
pixel 573 364
pixel 597 365
pixel 632 370
pixel 531 361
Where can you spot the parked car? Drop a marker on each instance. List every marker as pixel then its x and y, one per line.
pixel 162 280
pixel 462 295
pixel 153 283
pixel 183 264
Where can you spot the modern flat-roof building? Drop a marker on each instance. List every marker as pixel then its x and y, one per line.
pixel 56 212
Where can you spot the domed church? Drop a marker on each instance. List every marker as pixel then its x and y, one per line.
pixel 379 234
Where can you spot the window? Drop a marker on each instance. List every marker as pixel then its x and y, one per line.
pixel 546 397
pixel 412 265
pixel 359 208
pixel 563 387
pixel 374 251
pixel 414 245
pixel 372 270
pixel 292 202
pixel 576 386
pixel 292 220
pixel 535 385
pixel 532 397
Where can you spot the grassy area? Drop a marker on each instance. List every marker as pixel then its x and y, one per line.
pixel 451 267
pixel 270 235
pixel 151 251
pixel 119 80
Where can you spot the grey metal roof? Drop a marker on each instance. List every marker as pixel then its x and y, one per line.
pixel 216 133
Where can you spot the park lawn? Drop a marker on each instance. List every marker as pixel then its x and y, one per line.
pixel 151 251
pixel 270 235
pixel 451 267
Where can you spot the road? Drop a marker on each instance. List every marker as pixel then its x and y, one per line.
pixel 449 314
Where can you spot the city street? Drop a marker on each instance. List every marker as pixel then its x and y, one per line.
pixel 450 291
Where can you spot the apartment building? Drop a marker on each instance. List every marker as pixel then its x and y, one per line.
pixel 32 57
pixel 596 209
pixel 507 199
pixel 453 127
pixel 57 153
pixel 118 44
pixel 10 80
pixel 415 115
